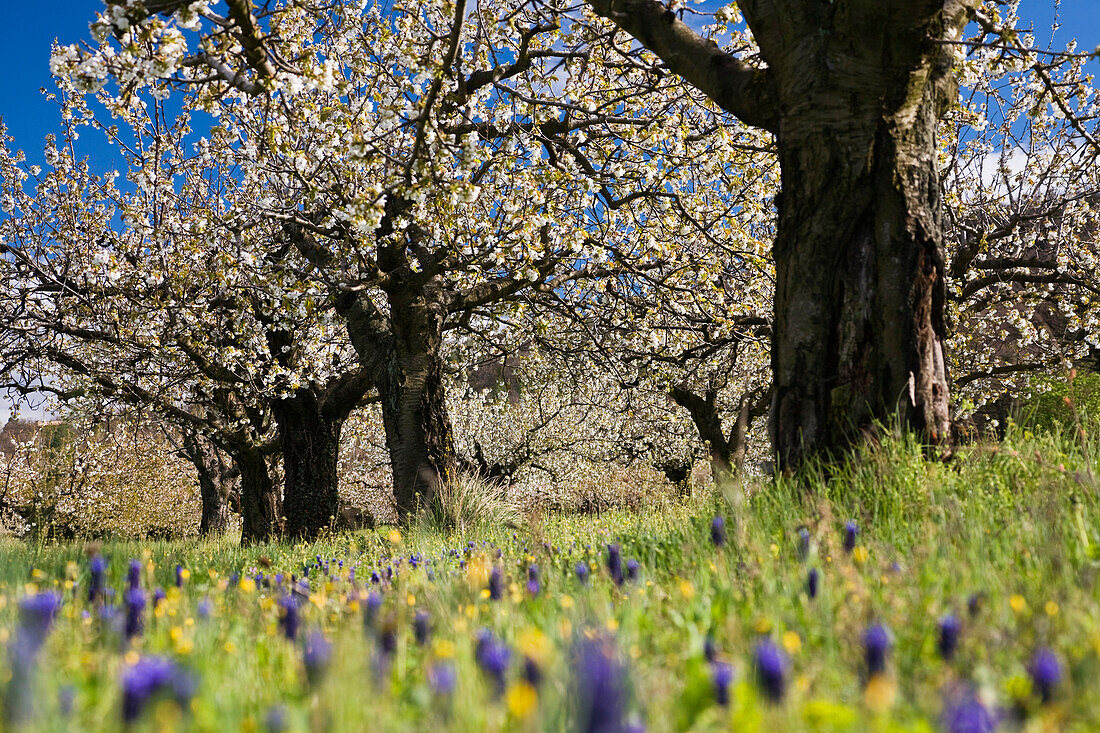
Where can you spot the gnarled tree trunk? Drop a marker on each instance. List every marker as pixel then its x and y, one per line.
pixel 414 408
pixel 310 441
pixel 217 481
pixel 260 504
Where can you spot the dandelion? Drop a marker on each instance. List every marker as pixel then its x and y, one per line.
pixel 771 669
pixel 876 649
pixel 948 638
pixel 581 569
pixel 718 531
pixel 1046 673
pixel 615 563
pixel 316 656
pixel 722 675
pixel 851 532
pixel 601 687
pixel 288 618
pixel 150 677
pixel 422 627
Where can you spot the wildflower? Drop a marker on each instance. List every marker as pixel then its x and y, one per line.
pixel 813 581
pixel 967 714
pixel 316 656
pixel 876 648
pixel 442 678
pixel 96 585
pixel 275 719
pixel 422 627
pixel 135 608
pixel 710 649
pixel 179 576
pixel 718 531
pixel 851 531
pixel 288 619
pixel 492 657
pixel 803 544
pixel 205 608
pixel 36 615
pixel 948 636
pixel 133 575
pixel 496 583
pixel 771 669
pixel 533 585
pixel 1046 673
pixel 632 569
pixel 581 569
pixel 974 603
pixel 66 700
pixel 601 687
pixel 722 674
pixel 148 678
pixel 615 563
pixel 158 596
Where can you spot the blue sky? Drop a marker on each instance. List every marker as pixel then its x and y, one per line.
pixel 30 27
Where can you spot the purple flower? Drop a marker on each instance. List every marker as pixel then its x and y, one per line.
pixel 532 672
pixel 876 648
pixel 533 585
pixel 149 677
pixel 632 569
pixel 974 603
pixel 205 608
pixel 496 583
pixel 492 657
pixel 371 608
pixel 133 575
pixel 316 656
pixel 288 619
pixel 710 649
pixel 615 563
pixel 37 612
pixel 967 714
pixel 948 638
pixel 158 596
pixel 722 675
pixel 66 700
pixel 851 531
pixel 179 576
pixel 718 531
pixel 422 627
pixel 803 544
pixel 96 584
pixel 601 687
pixel 442 678
pixel 813 582
pixel 275 719
pixel 135 609
pixel 581 569
pixel 771 669
pixel 1046 673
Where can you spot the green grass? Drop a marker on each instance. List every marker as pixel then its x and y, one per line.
pixel 1016 525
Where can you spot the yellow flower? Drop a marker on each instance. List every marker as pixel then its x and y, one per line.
pixel 444 648
pixel 763 625
pixel 1017 602
pixel 533 643
pixel 566 601
pixel 1051 608
pixel 410 599
pixel 394 537
pixel 248 585
pixel 792 642
pixel 880 693
pixel 522 699
pixel 687 590
pixel 859 555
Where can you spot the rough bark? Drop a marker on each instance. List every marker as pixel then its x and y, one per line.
pixel 260 503
pixel 310 442
pixel 217 481
pixel 414 412
pixel 852 91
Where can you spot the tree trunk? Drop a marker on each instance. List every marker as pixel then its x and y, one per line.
pixel 260 516
pixel 215 483
pixel 859 301
pixel 311 450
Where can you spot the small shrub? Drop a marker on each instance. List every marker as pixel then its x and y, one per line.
pixel 468 502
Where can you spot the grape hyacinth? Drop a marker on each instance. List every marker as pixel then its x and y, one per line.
pixel 288 619
pixel 97 583
pixel 135 610
pixel 718 531
pixel 496 583
pixel 581 569
pixel 316 656
pixel 615 563
pixel 813 582
pixel 803 544
pixel 601 687
pixel 876 649
pixel 771 669
pixel 422 627
pixel 149 677
pixel 1046 673
pixel 133 574
pixel 948 639
pixel 851 532
pixel 722 675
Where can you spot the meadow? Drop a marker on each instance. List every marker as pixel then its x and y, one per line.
pixel 895 593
